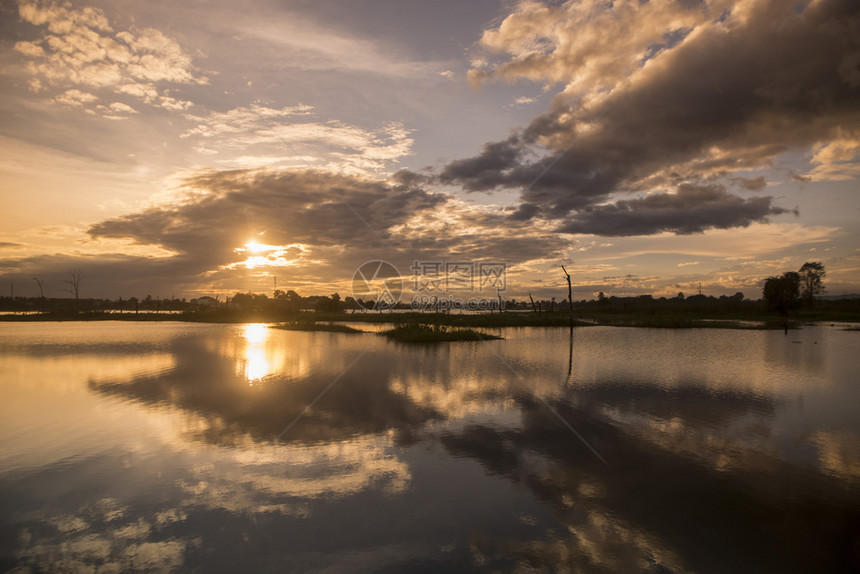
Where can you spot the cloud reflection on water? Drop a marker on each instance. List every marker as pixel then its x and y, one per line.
pixel 701 459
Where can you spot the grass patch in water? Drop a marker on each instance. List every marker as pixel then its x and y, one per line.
pixel 309 326
pixel 423 333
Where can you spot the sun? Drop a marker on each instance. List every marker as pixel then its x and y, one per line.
pixel 255 247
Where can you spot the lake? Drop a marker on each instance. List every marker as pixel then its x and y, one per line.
pixel 214 448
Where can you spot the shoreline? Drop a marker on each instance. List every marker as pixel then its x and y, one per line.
pixel 306 321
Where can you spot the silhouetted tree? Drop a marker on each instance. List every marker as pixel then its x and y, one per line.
pixel 41 284
pixel 782 293
pixel 242 300
pixel 294 301
pixel 811 275
pixel 329 304
pixel 569 295
pixel 74 282
pixel 350 303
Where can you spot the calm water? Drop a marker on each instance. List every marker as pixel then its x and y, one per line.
pixel 155 446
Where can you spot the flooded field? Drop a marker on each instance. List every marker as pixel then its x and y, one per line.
pixel 201 447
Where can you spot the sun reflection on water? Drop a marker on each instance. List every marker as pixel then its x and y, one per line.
pixel 255 364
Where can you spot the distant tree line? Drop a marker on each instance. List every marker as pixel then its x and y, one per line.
pixel 781 294
pixel 283 302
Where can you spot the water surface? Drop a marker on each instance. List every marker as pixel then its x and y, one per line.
pixel 177 446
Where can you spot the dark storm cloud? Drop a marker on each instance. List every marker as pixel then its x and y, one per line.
pixel 750 184
pixel 524 211
pixel 342 220
pixel 691 210
pixel 487 171
pixel 405 179
pixel 734 94
pixel 363 217
pixel 338 222
pixel 288 207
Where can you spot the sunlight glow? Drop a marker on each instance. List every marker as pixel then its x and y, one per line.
pixel 262 255
pixel 256 361
pixel 258 261
pixel 255 247
pixel 255 333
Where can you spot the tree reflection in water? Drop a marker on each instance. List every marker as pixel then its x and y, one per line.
pixel 710 470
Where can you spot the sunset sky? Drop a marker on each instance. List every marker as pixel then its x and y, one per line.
pixel 201 148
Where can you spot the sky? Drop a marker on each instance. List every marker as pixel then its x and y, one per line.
pixel 211 147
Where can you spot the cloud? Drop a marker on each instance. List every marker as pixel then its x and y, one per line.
pixel 838 159
pixel 750 183
pixel 521 101
pixel 311 46
pixel 321 225
pixel 692 209
pixel 263 134
pixel 75 98
pixel 602 42
pixel 120 107
pixel 289 207
pixel 78 47
pixel 664 93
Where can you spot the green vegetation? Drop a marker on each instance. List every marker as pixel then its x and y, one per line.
pixel 314 326
pixel 425 333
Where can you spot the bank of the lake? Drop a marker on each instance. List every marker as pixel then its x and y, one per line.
pixel 462 320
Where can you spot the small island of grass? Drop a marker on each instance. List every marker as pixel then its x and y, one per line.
pixel 312 326
pixel 423 333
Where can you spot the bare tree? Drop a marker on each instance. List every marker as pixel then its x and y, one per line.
pixel 569 295
pixel 41 284
pixel 74 282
